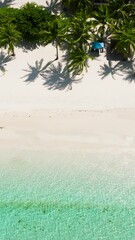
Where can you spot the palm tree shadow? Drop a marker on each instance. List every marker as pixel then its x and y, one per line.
pixel 26 46
pixel 4 59
pixel 122 68
pixel 108 69
pixel 34 71
pixel 57 78
pixel 6 3
pixel 128 69
pixel 54 6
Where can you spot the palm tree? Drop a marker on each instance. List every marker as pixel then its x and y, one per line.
pixel 125 36
pixel 80 31
pixel 130 10
pixel 118 9
pixel 77 60
pixel 55 33
pixel 75 6
pixel 9 37
pixel 102 20
pixel 78 37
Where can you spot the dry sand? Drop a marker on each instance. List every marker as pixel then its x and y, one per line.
pixel 69 130
pixel 36 111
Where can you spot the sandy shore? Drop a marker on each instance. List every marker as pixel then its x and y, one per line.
pixel 69 130
pixel 37 111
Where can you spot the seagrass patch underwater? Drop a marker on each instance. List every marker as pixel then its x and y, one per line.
pixel 65 195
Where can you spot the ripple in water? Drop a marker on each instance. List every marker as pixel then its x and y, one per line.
pixel 64 196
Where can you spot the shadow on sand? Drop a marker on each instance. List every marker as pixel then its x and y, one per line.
pixel 4 59
pixel 112 55
pixel 117 65
pixel 58 78
pixel 34 71
pixel 26 46
pixel 108 69
pixel 54 78
pixel 121 68
pixel 53 6
pixel 6 3
pixel 127 69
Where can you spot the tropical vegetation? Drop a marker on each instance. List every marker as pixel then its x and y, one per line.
pixel 72 29
pixel 9 37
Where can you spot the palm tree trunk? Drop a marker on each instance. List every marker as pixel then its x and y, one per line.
pixel 131 52
pixel 57 50
pixel 11 49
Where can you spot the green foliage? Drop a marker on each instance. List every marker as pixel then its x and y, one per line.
pixel 8 15
pixel 30 21
pixel 9 37
pixel 54 29
pixel 102 20
pixel 80 31
pixel 51 33
pixel 125 36
pixel 75 6
pixel 77 60
pixel 55 33
pixel 117 8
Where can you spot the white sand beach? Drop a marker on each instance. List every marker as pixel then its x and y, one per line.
pixel 36 111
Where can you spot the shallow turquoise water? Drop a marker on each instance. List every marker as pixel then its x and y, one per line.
pixel 67 196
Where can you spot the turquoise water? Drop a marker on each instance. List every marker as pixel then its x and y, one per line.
pixel 67 196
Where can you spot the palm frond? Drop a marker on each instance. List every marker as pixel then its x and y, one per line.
pixel 77 60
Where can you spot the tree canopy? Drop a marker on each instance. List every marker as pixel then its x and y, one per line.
pixel 87 21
